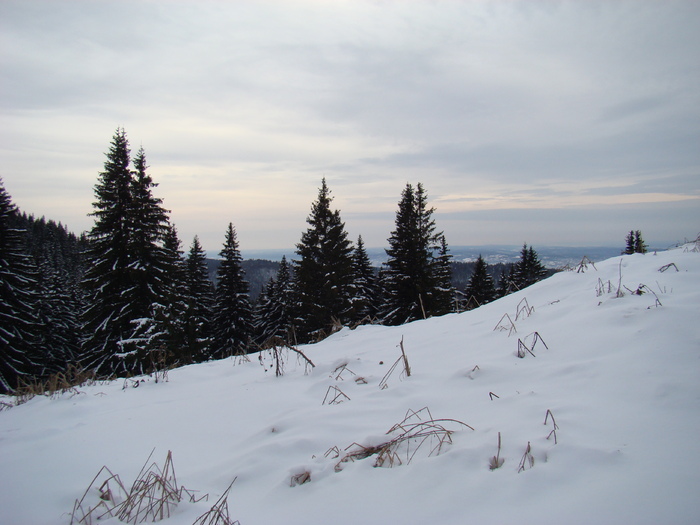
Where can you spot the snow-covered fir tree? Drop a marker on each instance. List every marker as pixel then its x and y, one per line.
pixel 273 314
pixel 232 327
pixel 126 273
pixel 443 297
pixel 159 339
pixel 199 299
pixel 323 273
pixel 411 286
pixel 365 294
pixel 18 357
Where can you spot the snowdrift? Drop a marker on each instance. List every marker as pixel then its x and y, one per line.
pixel 587 380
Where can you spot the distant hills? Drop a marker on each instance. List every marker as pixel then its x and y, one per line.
pixel 551 256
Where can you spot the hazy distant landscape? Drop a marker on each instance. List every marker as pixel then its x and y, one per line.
pixel 551 256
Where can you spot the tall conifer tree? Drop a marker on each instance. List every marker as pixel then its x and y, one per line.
pixel 109 313
pixel 128 274
pixel 410 281
pixel 232 327
pixel 200 305
pixel 364 292
pixel 323 273
pixel 443 296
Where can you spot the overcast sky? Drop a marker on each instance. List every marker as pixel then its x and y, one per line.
pixel 551 123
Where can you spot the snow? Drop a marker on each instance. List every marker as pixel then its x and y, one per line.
pixel 618 374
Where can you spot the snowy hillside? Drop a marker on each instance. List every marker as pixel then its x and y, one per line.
pixel 599 421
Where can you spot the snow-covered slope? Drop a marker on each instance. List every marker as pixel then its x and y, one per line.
pixel 619 375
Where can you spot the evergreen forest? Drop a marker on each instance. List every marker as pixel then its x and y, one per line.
pixel 127 298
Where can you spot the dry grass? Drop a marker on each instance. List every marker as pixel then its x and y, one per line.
pixel 334 396
pixel 417 431
pixel 528 346
pixel 555 427
pixel 300 478
pixel 528 460
pixel 506 323
pixel 54 385
pixel 219 513
pixel 496 461
pixel 405 368
pixel 153 497
pixel 523 310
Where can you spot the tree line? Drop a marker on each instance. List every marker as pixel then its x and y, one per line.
pixel 124 298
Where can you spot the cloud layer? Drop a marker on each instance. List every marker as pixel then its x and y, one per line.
pixel 545 122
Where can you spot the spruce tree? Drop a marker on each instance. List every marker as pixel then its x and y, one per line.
pixel 508 283
pixel 18 358
pixel 529 269
pixel 108 317
pixel 442 297
pixel 412 287
pixel 199 299
pixel 629 244
pixel 639 244
pixel 273 317
pixel 127 273
pixel 232 328
pixel 480 289
pixel 364 290
pixel 151 266
pixel 323 274
pixel 159 339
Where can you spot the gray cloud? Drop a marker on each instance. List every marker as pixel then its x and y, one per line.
pixel 490 104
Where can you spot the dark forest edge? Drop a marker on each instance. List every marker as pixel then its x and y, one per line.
pixel 125 300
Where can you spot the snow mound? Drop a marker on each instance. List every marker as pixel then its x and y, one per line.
pixel 588 380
